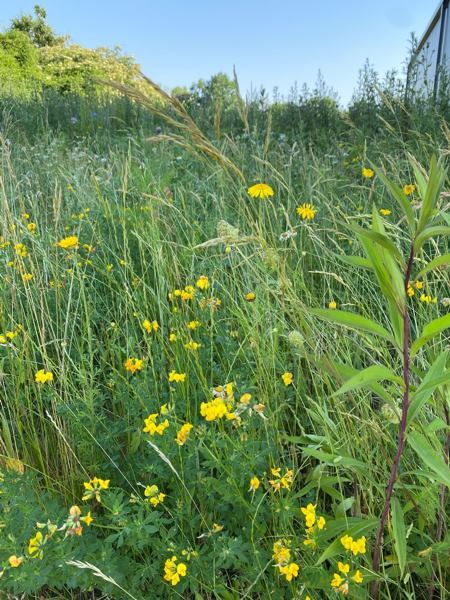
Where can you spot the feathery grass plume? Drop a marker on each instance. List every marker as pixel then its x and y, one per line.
pixel 181 121
pixel 97 573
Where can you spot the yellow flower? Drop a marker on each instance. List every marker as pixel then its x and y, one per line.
pixel 150 326
pixel 15 561
pixel 321 522
pixel 183 434
pixel 172 337
pixel 260 190
pixel 287 378
pixel 68 243
pixel 173 571
pixel 254 484
pixel 410 290
pixel 35 545
pixel 215 409
pixel 358 577
pixel 193 325
pixel 133 364
pixel 151 426
pixel 27 277
pixel 310 514
pixel 408 189
pixel 332 305
pixel 281 553
pixel 25 216
pixel 427 299
pixel 94 487
pixel 203 282
pixel 283 481
pixel 337 580
pixel 153 494
pixel 250 297
pixel 245 398
pixel 385 212
pixel 177 377
pixel 347 542
pixel 20 250
pixel 31 227
pixel 87 519
pixel 365 172
pixel 289 571
pixel 187 293
pixel 191 345
pixel 343 567
pixel 418 284
pixel 359 546
pixel 43 376
pixel 306 211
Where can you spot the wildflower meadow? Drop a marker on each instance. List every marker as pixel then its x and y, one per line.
pixel 224 345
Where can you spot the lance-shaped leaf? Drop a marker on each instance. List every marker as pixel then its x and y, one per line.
pixel 430 457
pixel 352 320
pixel 437 263
pixel 354 261
pixel 401 198
pixel 434 378
pixel 399 533
pixel 434 185
pixel 428 233
pixel 433 328
pixel 378 238
pixel 366 377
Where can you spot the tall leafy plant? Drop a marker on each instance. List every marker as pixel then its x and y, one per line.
pixel 394 269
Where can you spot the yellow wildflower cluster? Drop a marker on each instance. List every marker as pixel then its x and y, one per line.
pixel 68 243
pixel 368 173
pixel 73 524
pixel 173 571
pixel 203 282
pixel 313 523
pixel 176 377
pixel 151 424
pixel 43 376
pixel 354 546
pixel 342 582
pixel 94 487
pixel 217 409
pixel 281 555
pixel 36 544
pixel 133 364
pixel 281 481
pixel 153 494
pixel 150 326
pixel 184 294
pixel 183 434
pixel 287 378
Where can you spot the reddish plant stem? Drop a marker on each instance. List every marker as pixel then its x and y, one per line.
pixel 376 557
pixel 442 501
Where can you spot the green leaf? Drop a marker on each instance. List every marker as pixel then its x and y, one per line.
pixel 399 533
pixel 434 185
pixel 430 457
pixel 429 383
pixel 436 263
pixel 428 233
pixel 366 377
pixel 352 320
pixel 401 198
pixel 429 331
pixel 354 261
pixel 380 239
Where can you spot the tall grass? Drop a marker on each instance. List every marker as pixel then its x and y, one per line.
pixel 148 217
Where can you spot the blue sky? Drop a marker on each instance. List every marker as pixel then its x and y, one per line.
pixel 272 43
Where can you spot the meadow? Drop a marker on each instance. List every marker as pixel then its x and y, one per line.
pixel 224 363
